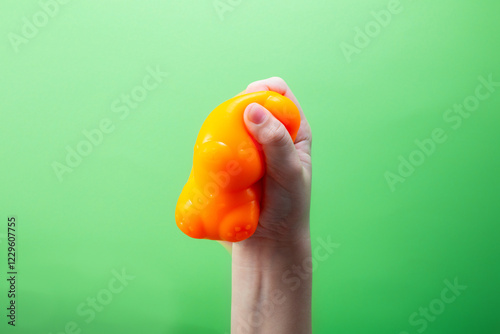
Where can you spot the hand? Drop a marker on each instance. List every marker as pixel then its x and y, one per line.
pixel 261 263
pixel 284 216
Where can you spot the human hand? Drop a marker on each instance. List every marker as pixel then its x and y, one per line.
pixel 284 216
pixel 282 240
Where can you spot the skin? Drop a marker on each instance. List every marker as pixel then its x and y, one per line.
pixel 271 288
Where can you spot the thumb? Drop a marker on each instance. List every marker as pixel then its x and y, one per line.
pixel 282 160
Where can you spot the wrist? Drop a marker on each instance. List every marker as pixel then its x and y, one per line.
pixel 272 283
pixel 271 255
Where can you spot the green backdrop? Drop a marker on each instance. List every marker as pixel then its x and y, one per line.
pixel 403 99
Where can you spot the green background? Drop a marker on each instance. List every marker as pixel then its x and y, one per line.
pixel 116 209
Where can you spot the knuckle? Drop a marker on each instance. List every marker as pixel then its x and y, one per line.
pixel 250 86
pixel 279 84
pixel 275 134
pixel 282 137
pixel 278 80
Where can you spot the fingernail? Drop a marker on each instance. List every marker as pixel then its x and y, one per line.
pixel 256 114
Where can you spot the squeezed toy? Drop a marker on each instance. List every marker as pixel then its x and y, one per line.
pixel 221 199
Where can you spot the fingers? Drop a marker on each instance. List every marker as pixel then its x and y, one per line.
pixel 274 84
pixel 279 85
pixel 282 160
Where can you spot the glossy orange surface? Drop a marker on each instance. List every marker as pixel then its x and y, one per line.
pixel 221 199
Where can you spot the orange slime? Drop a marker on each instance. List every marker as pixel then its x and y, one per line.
pixel 221 199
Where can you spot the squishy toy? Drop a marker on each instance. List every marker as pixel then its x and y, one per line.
pixel 221 199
